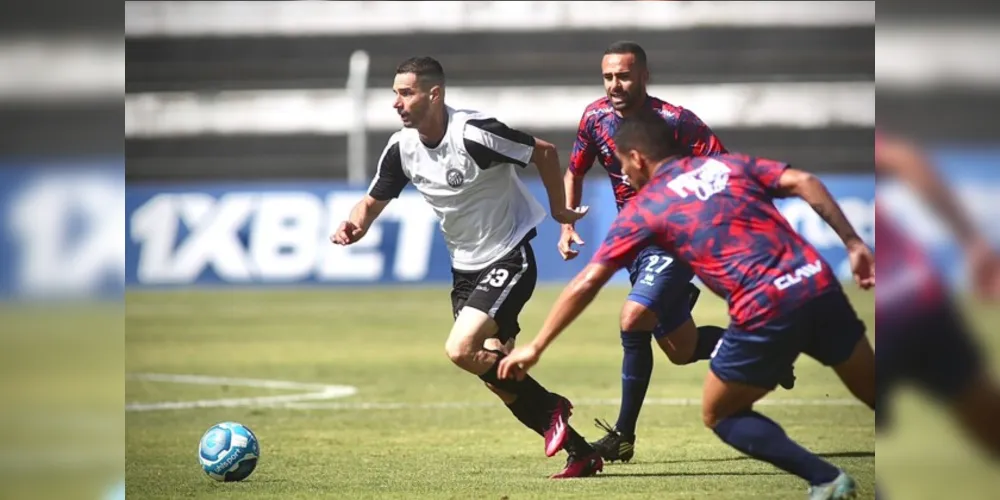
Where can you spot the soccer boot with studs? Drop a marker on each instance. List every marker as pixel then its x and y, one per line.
pixel 614 446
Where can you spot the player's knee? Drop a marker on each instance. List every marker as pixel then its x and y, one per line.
pixel 459 352
pixel 710 418
pixel 636 317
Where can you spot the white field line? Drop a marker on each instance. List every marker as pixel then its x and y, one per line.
pixel 311 400
pixel 580 402
pixel 57 459
pixel 314 392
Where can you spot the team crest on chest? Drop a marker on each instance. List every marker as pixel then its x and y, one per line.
pixel 454 177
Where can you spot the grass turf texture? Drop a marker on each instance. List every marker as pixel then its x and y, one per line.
pixel 389 344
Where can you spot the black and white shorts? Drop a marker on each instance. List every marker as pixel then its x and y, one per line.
pixel 500 290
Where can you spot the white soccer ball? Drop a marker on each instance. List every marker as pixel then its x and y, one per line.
pixel 228 452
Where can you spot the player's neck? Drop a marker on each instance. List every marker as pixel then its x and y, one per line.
pixel 630 111
pixel 662 163
pixel 432 131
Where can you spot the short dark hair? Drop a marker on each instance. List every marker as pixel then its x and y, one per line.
pixel 648 133
pixel 427 69
pixel 627 47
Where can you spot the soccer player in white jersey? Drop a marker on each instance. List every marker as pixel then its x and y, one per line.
pixel 464 164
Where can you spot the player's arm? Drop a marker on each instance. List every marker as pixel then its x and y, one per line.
pixel 623 242
pixel 794 182
pixel 697 136
pixel 906 162
pixel 491 142
pixel 388 183
pixel 581 159
pixel 781 180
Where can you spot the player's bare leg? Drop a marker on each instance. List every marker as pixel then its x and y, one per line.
pixel 540 410
pixel 465 344
pixel 858 372
pixel 679 345
pixel 727 409
pixel 978 409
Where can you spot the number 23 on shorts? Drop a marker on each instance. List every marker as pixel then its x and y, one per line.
pixel 496 277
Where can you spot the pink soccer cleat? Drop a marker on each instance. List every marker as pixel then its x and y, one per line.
pixel 558 430
pixel 586 466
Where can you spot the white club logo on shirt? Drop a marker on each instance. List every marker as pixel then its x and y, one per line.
pixel 454 177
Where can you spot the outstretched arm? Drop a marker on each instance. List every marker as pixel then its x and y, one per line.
pixel 388 184
pixel 906 162
pixel 573 300
pixel 546 159
pixel 625 239
pixel 357 224
pixel 808 187
pixel 813 191
pixel 491 142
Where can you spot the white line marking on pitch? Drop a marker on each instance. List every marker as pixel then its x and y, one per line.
pixel 316 392
pixel 581 402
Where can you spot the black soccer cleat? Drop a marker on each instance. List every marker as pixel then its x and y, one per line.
pixel 614 446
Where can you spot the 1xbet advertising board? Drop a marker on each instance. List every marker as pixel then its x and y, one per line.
pixel 249 234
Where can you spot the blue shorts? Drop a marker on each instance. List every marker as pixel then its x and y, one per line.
pixel 826 328
pixel 932 349
pixel 663 286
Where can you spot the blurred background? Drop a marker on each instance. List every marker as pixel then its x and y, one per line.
pixel 251 128
pixel 278 112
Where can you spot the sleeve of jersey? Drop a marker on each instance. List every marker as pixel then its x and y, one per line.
pixel 389 178
pixel 767 172
pixel 628 235
pixel 490 142
pixel 698 137
pixel 584 150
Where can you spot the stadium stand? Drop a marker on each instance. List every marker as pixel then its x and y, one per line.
pixel 213 93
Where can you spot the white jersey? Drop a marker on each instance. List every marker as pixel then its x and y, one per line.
pixel 470 182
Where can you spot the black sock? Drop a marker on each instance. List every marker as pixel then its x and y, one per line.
pixel 527 413
pixel 533 402
pixel 528 388
pixel 575 444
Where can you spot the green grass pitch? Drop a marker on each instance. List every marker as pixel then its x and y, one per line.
pixel 418 427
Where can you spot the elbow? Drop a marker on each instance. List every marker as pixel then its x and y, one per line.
pixel 802 183
pixel 545 154
pixel 811 183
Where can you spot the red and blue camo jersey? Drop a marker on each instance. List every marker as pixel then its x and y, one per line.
pixel 718 215
pixel 600 122
pixel 908 281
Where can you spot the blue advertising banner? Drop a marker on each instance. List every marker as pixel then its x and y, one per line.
pixel 974 176
pixel 61 227
pixel 249 234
